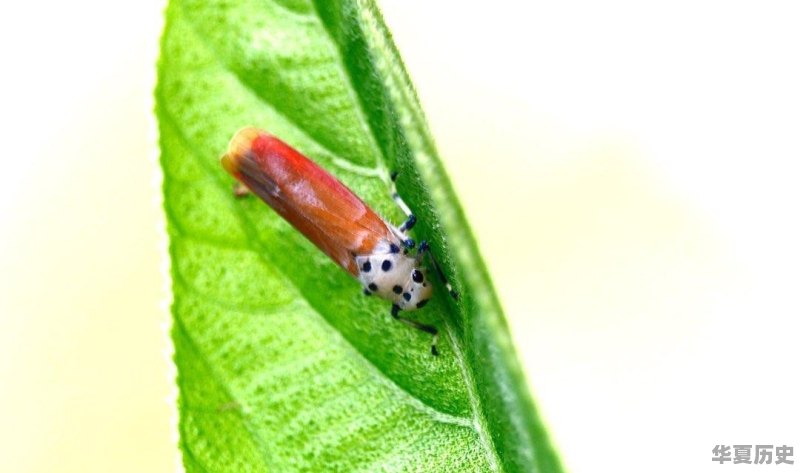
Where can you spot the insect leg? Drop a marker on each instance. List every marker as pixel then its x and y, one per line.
pixel 240 190
pixel 423 251
pixel 419 326
pixel 411 219
pixel 409 223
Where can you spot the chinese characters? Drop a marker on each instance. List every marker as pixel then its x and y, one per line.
pixel 754 454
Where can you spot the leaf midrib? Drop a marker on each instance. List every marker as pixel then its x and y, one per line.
pixel 411 103
pixel 352 90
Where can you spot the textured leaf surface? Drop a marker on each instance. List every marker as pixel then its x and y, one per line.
pixel 283 365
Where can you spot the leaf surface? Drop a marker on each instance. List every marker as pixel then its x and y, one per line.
pixel 282 364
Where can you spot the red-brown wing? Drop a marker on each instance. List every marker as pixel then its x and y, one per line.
pixel 314 202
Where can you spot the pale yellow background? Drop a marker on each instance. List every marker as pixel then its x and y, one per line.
pixel 630 170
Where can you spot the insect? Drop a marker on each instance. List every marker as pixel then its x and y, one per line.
pixel 338 222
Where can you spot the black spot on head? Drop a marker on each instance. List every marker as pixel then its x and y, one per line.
pixel 394 248
pixel 416 275
pixel 373 286
pixel 366 267
pixel 387 265
pixel 397 289
pixel 406 296
pixel 422 303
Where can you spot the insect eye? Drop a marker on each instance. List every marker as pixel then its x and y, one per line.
pixel 416 275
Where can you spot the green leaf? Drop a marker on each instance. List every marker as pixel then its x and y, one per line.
pixel 282 364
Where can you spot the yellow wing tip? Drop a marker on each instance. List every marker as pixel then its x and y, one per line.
pixel 239 145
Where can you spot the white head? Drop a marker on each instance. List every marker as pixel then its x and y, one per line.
pixel 395 276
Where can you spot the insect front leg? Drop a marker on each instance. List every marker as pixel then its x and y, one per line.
pixel 411 219
pixel 419 326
